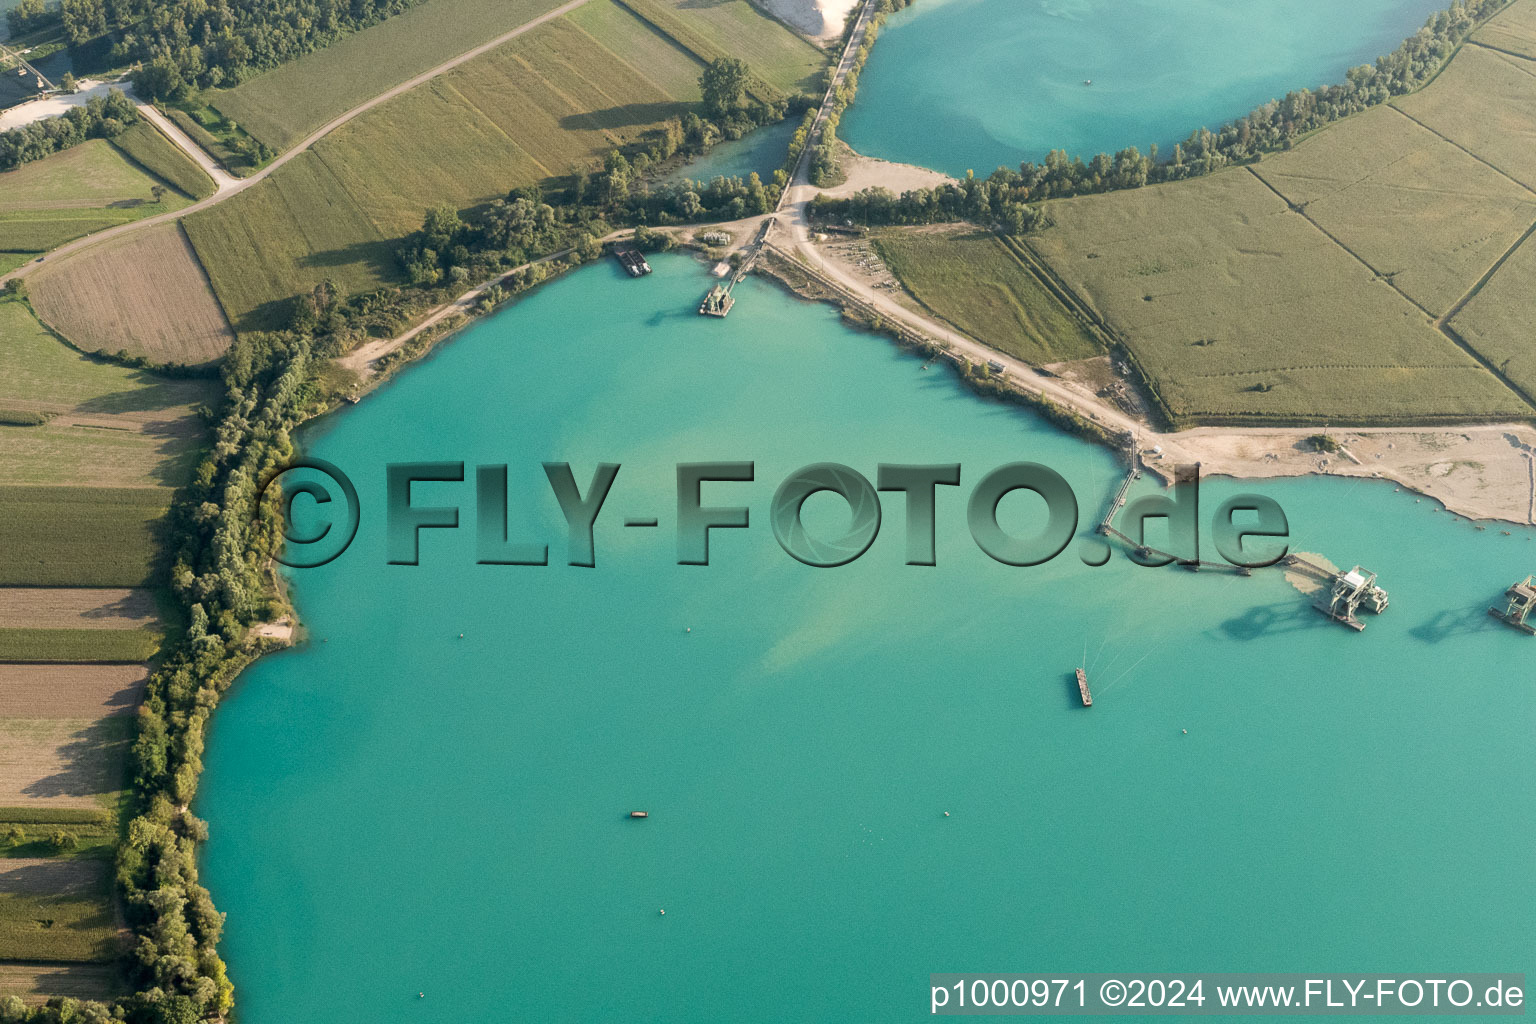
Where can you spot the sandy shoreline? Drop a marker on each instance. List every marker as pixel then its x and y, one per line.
pixel 822 20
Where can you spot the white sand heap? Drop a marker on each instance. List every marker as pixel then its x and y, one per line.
pixel 819 19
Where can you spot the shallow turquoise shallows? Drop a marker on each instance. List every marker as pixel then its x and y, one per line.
pixel 396 810
pixel 963 85
pixel 762 150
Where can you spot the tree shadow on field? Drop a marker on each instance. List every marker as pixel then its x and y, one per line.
pixel 377 257
pixel 136 604
pixel 92 762
pixel 626 116
pixel 150 393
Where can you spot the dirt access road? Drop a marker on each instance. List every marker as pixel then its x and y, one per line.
pixel 239 185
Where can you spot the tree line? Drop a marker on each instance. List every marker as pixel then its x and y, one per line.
pixel 101 117
pixel 183 44
pixel 999 200
pixel 823 169
pixel 29 16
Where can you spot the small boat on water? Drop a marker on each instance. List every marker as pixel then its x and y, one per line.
pixel 639 814
pixel 1082 688
pixel 1087 81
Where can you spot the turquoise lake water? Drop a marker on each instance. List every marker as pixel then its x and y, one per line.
pixel 397 810
pixel 762 151
pixel 963 85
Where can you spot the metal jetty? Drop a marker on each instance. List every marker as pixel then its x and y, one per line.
pixel 632 260
pixel 1347 592
pixel 1522 599
pixel 1082 688
pixel 1107 527
pixel 720 300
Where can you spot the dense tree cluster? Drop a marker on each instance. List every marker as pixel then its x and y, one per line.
pixel 29 16
pixel 202 43
pixel 1274 126
pixel 522 227
pixel 102 117
pixel 723 84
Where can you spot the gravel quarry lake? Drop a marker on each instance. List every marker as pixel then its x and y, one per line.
pixel 856 776
pixel 960 85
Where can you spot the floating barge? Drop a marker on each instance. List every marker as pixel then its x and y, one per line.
pixel 1082 688
pixel 718 302
pixel 631 260
pixel 1522 599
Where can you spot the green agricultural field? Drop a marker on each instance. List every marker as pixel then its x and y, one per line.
pixel 549 101
pixel 971 279
pixel 92 174
pixel 1366 181
pixel 83 189
pixel 781 56
pixel 80 536
pixel 218 136
pixel 78 645
pixel 1497 321
pixel 283 105
pixel 144 144
pixel 1240 310
pixel 46 927
pixel 36 367
pixel 28 833
pixel 1513 29
pixel 1484 102
pixel 777 55
pixel 108 425
pixel 291 232
pixel 78 819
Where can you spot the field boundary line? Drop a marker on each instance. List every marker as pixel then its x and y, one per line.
pixel 1487 276
pixel 1438 323
pixel 1500 49
pixel 1298 209
pixel 1459 146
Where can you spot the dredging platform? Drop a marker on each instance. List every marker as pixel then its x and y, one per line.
pixel 1346 593
pixel 1521 600
pixel 720 300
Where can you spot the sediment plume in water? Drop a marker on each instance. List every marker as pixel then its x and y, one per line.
pixel 1304 583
